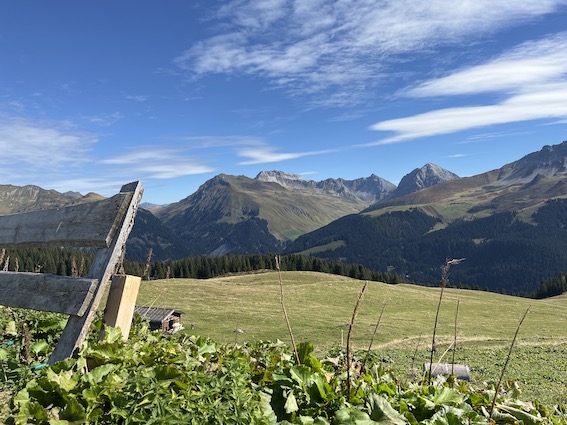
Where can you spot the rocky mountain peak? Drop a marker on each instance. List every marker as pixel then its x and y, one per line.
pixel 550 161
pixel 366 189
pixel 287 180
pixel 422 178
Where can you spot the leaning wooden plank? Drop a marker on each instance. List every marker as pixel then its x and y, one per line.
pixel 90 224
pixel 102 268
pixel 121 301
pixel 46 292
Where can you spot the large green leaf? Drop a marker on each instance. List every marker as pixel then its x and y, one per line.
pixel 350 416
pixel 291 404
pixel 525 417
pixel 382 412
pixel 73 412
pixel 446 395
pixel 40 346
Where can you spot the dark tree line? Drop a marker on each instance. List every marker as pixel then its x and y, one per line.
pixel 551 287
pixel 204 267
pixel 69 262
pixel 59 261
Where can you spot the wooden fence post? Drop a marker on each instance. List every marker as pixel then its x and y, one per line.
pixel 121 302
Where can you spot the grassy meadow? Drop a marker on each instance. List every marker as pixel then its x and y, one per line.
pixel 320 308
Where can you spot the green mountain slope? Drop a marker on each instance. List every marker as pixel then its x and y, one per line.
pixel 236 214
pixel 510 225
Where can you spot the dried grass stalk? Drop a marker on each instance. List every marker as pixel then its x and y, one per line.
pixel 506 363
pixel 444 280
pixel 282 303
pixel 349 334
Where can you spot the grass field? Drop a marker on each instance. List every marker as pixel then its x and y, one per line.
pixel 320 307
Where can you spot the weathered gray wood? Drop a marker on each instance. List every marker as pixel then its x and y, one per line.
pixel 90 224
pixel 46 292
pixel 460 371
pixel 102 268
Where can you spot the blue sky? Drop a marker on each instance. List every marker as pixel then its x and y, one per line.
pixel 97 94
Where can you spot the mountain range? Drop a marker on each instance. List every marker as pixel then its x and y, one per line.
pixel 508 223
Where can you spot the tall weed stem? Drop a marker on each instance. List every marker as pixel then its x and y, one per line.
pixel 506 363
pixel 294 346
pixel 350 328
pixel 444 280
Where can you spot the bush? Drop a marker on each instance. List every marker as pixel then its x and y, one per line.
pixel 157 378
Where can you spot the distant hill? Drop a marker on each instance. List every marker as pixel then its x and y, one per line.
pixel 510 224
pixel 229 214
pixel 149 232
pixel 239 215
pixel 16 199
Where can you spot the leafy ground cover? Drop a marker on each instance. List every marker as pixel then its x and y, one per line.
pixel 156 378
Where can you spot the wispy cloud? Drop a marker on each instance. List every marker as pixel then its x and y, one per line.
pixel 533 76
pixel 104 120
pixel 475 138
pixel 59 156
pixel 268 154
pixel 342 48
pixel 210 142
pixel 45 146
pixel 137 98
pixel 151 162
pixel 529 64
pixel 550 102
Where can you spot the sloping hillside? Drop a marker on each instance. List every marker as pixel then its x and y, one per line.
pixel 509 224
pixel 237 214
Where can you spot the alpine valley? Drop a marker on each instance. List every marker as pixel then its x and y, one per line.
pixel 509 224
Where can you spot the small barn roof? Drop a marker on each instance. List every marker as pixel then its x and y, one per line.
pixel 156 314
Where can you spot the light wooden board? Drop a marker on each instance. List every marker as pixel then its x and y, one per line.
pixel 93 224
pixel 46 292
pixel 121 301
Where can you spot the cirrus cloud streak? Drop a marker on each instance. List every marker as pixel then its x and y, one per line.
pixel 532 79
pixel 342 51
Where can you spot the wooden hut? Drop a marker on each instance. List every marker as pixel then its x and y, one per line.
pixel 168 320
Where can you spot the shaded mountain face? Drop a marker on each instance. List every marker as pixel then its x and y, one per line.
pixel 239 215
pixel 149 232
pixel 421 178
pixel 510 224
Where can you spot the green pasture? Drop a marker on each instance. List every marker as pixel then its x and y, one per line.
pixel 320 308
